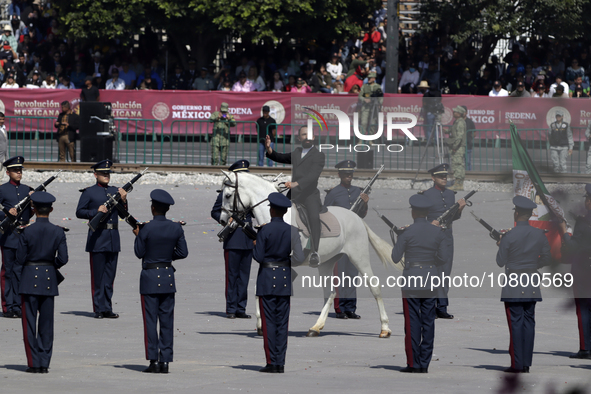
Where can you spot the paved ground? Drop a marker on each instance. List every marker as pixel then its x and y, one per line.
pixel 213 354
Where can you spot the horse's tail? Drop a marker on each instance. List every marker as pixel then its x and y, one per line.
pixel 382 248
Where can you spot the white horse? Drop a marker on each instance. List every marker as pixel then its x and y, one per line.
pixel 243 191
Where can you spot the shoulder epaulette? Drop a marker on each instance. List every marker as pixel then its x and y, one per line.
pixel 84 188
pixel 420 192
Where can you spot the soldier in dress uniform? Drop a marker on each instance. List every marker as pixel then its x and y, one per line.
pixel 274 244
pixel 41 252
pixel 522 251
pixel 424 247
pixel 577 251
pixel 561 143
pixel 237 256
pixel 344 196
pixel 442 199
pixel 11 193
pixel 177 80
pixel 103 244
pixel 158 244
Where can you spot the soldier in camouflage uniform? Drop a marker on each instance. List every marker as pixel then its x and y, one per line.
pixel 457 148
pixel 222 121
pixel 371 98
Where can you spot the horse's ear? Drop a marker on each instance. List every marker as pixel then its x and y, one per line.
pixel 227 175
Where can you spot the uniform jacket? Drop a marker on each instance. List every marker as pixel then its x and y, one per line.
pixel 159 241
pixel 222 126
pixel 457 136
pixel 442 201
pixel 10 195
pixel 524 249
pixel 101 240
pixel 236 240
pixel 305 171
pixel 561 135
pixel 274 244
pixel 340 196
pixel 41 242
pixel 424 248
pixel 577 251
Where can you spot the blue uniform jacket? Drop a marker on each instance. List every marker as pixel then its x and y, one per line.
pixel 10 195
pixel 159 241
pixel 442 201
pixel 424 248
pixel 524 249
pixel 342 197
pixel 577 251
pixel 274 244
pixel 41 242
pixel 101 240
pixel 236 240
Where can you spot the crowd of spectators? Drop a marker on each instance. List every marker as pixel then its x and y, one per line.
pixel 35 54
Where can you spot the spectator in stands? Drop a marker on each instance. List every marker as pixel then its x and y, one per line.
pixel 66 83
pixel 291 83
pixel 154 78
pixel 191 73
pixel 257 81
pixel 358 62
pixel 286 72
pixel 498 91
pixel 34 80
pixel 127 75
pixel 243 84
pixel 7 36
pixel 579 92
pixel 204 81
pixel 310 78
pixel 157 69
pixel 301 87
pixel 540 91
pixel 100 78
pixel 49 82
pixel 529 77
pixel 15 7
pixel 335 68
pixel 355 89
pixel 424 65
pixel 338 88
pixel 578 82
pixel 372 38
pixel 10 82
pixel 226 86
pixel 520 91
pixel 177 81
pixel 497 69
pixel 78 76
pixel 116 64
pixel 409 79
pixel 485 83
pixel 115 83
pixel 559 92
pixel 244 66
pixel 464 85
pixel 574 71
pixel 93 67
pixel 148 83
pixel 7 55
pixel 276 85
pixel 89 92
pixel 324 80
pixel 380 14
pixel 559 82
pixel 265 124
pixel 433 76
pixel 356 79
pixel 136 66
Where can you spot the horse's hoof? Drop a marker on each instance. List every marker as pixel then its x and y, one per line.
pixel 312 334
pixel 385 334
pixel 260 331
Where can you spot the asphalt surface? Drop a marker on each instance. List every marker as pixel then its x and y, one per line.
pixel 213 354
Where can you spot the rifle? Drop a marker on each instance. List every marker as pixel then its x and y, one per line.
pixel 233 225
pixel 447 217
pixel 367 189
pixel 112 202
pixel 494 234
pixel 10 222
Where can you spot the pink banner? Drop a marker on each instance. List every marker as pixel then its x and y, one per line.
pixel 178 110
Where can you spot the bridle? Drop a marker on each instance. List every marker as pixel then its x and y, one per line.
pixel 238 200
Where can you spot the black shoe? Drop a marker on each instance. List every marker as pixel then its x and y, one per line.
pixel 525 369
pixel 43 370
pixel 444 315
pixel 270 368
pixel 33 370
pixel 352 315
pixel 423 370
pixel 280 368
pixel 153 368
pixel 230 315
pixel 98 315
pixel 242 315
pixel 410 370
pixel 17 314
pixel 314 260
pixel 110 315
pixel 585 354
pixel 11 315
pixel 341 315
pixel 514 370
pixel 163 367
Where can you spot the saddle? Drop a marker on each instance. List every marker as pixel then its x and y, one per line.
pixel 329 224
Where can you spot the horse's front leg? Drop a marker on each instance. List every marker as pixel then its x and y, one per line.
pixel 324 270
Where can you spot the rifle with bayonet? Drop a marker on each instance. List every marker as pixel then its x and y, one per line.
pixel 11 222
pixel 393 229
pixel 113 202
pixel 358 205
pixel 494 234
pixel 448 216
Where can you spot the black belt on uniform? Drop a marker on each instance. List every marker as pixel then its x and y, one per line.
pixel 153 266
pixel 109 226
pixel 44 263
pixel 276 264
pixel 522 271
pixel 417 265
